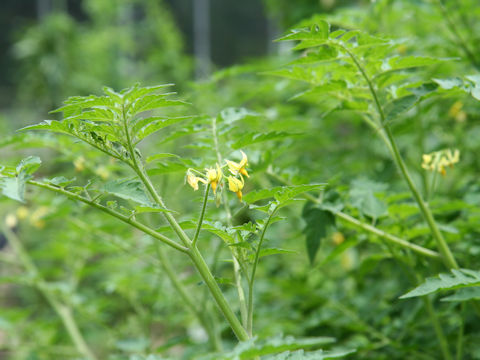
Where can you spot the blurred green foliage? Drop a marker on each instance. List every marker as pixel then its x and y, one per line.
pixel 338 280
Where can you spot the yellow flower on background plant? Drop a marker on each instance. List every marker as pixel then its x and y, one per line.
pixel 236 185
pixel 439 160
pixel 238 168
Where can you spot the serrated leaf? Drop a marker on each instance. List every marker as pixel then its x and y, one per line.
pixel 14 188
pixel 399 106
pixel 286 193
pixel 310 355
pixel 230 115
pixel 362 194
pixel 461 278
pixel 252 348
pixel 60 181
pixel 29 165
pixel 255 138
pixel 318 223
pixel 466 294
pixel 156 157
pixel 152 102
pixel 157 125
pixel 405 62
pixel 128 190
pixel 280 193
pixel 318 32
pixel 275 251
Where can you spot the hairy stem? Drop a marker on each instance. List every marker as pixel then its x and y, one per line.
pixel 192 252
pixel 236 265
pixel 254 270
pixel 113 213
pixel 178 286
pixel 202 214
pixel 442 245
pixel 371 229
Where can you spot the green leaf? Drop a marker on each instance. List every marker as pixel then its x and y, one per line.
pixel 255 137
pixel 156 157
pixel 318 223
pixel 14 188
pixel 318 32
pixel 230 115
pixel 156 125
pixel 60 181
pixel 399 106
pixel 311 355
pixel 461 278
pixel 362 194
pixel 154 101
pixel 29 165
pixel 280 193
pixel 253 347
pixel 405 62
pixel 275 251
pixel 128 190
pixel 465 294
pixel 286 193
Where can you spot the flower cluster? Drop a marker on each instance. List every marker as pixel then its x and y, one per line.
pixel 213 176
pixel 439 160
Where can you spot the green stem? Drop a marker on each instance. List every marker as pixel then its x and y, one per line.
pixel 236 265
pixel 200 314
pixel 217 294
pixel 202 214
pixel 438 329
pixel 447 255
pixel 113 213
pixel 372 229
pixel 192 252
pixel 461 330
pixel 62 310
pixel 197 259
pixel 254 269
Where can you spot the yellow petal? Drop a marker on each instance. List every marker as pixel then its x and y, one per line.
pixel 193 181
pixel 234 184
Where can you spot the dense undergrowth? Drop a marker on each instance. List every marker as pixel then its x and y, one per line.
pixel 315 205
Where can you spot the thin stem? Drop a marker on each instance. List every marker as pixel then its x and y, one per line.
pixel 113 213
pixel 62 310
pixel 202 214
pixel 217 294
pixel 236 265
pixel 178 286
pixel 372 229
pixel 198 261
pixel 443 247
pixel 460 40
pixel 438 329
pixel 254 269
pixel 461 331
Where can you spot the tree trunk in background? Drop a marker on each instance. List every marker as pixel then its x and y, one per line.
pixel 43 8
pixel 201 38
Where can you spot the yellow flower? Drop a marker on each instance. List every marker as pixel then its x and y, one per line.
pixel 193 180
pixel 236 185
pixel 238 168
pixel 214 176
pixel 439 160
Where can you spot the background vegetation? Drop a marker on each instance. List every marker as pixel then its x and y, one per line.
pixel 303 112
